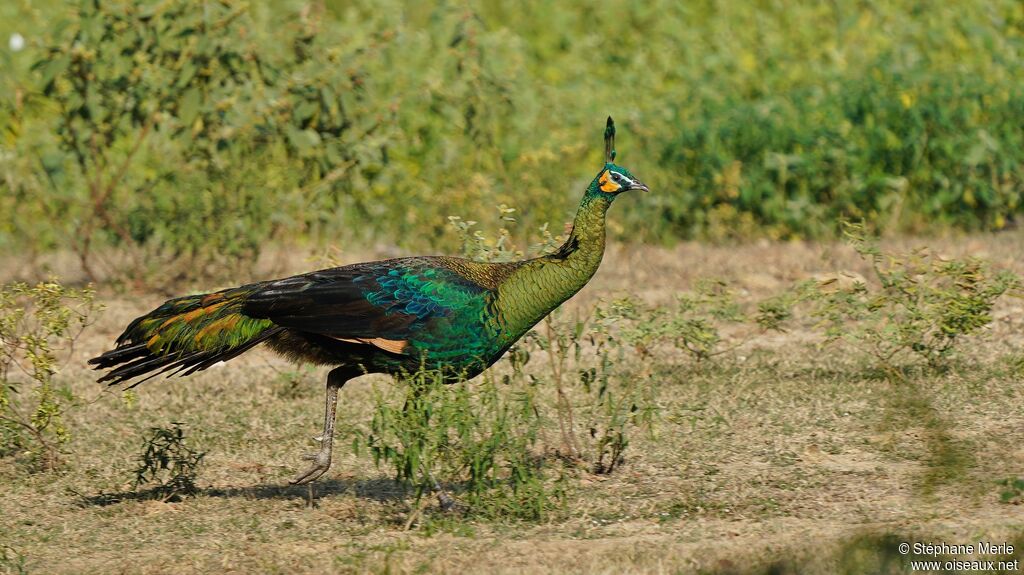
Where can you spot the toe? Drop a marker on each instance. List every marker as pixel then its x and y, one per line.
pixel 307 476
pixel 321 463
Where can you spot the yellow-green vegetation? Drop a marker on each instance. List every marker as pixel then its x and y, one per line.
pixel 924 304
pixel 604 441
pixel 189 138
pixel 38 324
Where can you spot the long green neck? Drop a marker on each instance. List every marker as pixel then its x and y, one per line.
pixel 583 249
pixel 542 284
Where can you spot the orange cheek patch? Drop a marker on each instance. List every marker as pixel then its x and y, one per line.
pixel 606 184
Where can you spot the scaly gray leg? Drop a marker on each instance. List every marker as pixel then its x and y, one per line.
pixel 443 499
pixel 322 459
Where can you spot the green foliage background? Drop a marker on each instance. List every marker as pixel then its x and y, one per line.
pixel 193 133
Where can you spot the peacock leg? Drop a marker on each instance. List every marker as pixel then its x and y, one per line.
pixel 322 459
pixel 443 499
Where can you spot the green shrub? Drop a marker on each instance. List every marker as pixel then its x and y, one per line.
pixel 479 440
pixel 597 407
pixel 38 326
pixel 168 124
pixel 922 305
pixel 911 151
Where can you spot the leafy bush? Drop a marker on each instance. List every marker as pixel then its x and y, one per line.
pixel 913 151
pixel 596 407
pixel 922 305
pixel 167 121
pixel 37 325
pixel 479 440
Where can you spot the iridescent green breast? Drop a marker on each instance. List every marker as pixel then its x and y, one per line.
pixel 450 324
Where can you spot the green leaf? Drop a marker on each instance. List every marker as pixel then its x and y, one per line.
pixel 188 71
pixel 305 111
pixel 54 68
pixel 188 108
pixel 305 141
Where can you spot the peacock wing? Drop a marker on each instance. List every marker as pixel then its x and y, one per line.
pixel 374 302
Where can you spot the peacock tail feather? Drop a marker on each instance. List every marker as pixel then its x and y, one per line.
pixel 197 323
pixel 188 333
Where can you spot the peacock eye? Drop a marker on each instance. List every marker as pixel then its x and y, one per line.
pixel 616 177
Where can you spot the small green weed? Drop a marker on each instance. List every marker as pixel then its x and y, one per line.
pixel 477 245
pixel 11 561
pixel 693 325
pixel 1012 490
pixel 592 397
pixel 167 464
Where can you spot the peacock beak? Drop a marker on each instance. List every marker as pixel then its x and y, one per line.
pixel 636 185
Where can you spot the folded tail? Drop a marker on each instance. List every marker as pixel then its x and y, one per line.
pixel 185 335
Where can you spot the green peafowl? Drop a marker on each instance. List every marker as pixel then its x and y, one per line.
pixel 448 314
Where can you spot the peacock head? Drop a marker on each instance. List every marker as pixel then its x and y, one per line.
pixel 613 179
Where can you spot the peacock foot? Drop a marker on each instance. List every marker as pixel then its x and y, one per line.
pixel 445 502
pixel 321 463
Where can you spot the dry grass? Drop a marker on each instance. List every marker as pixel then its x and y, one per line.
pixel 777 456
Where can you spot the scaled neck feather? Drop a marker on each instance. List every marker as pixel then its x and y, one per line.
pixel 542 284
pixel 587 236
